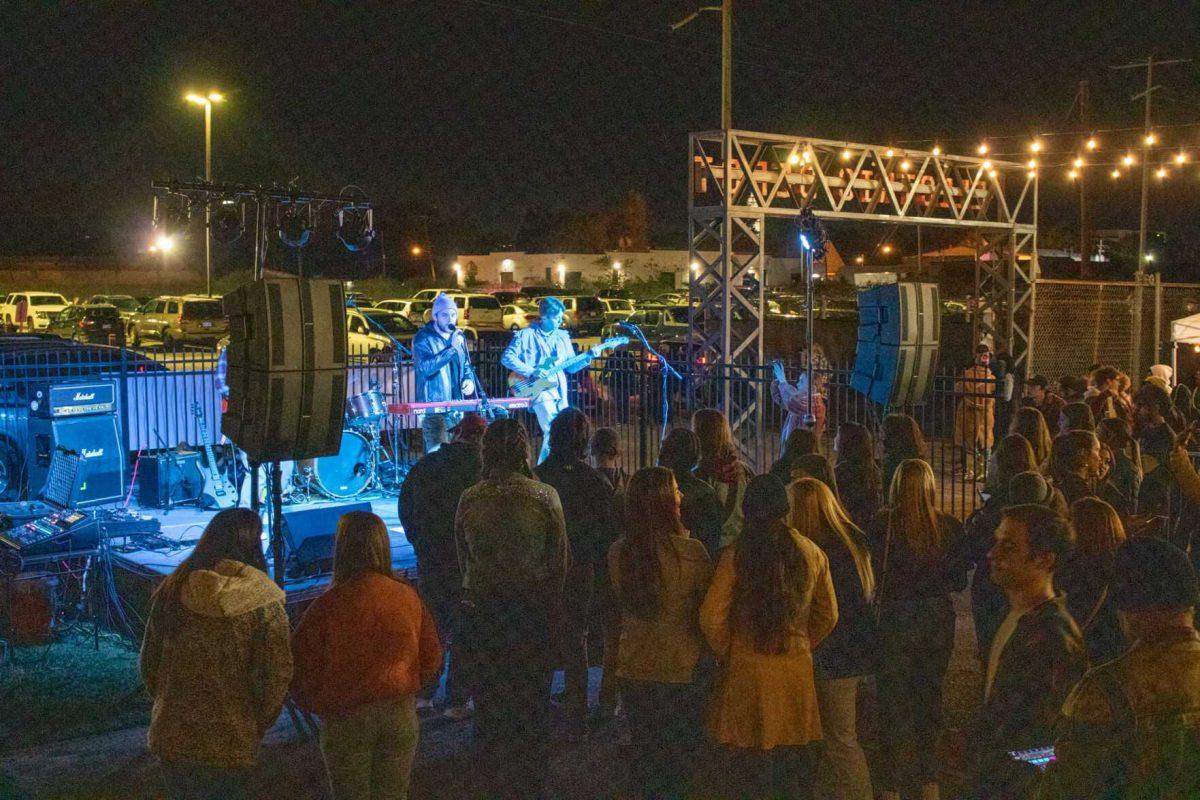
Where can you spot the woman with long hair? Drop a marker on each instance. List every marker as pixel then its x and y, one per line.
pixel 918 552
pixel 363 650
pixel 1012 457
pixel 1030 423
pixel 1087 574
pixel 1124 456
pixel 815 465
pixel 902 440
pixel 843 659
pixel 659 575
pixel 721 468
pixel 799 443
pixel 216 660
pixel 770 605
pixel 513 545
pixel 859 481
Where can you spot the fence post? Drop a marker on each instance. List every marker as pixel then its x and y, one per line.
pixel 123 380
pixel 643 428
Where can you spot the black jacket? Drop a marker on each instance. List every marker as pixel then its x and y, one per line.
pixel 439 367
pixel 1040 663
pixel 851 649
pixel 429 501
pixel 587 501
pixel 860 489
pixel 701 511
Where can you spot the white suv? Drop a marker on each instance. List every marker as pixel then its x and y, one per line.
pixel 31 311
pixel 474 309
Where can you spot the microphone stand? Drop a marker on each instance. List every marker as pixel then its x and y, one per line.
pixel 397 351
pixel 665 370
pixel 486 409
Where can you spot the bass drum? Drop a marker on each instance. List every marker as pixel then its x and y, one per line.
pixel 348 473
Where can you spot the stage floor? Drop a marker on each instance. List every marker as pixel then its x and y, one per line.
pixel 182 526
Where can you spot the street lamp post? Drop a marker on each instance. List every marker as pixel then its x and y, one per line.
pixel 207 101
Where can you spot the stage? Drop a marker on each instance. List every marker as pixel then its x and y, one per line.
pixel 148 560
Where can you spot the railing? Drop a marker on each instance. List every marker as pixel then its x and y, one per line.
pixel 156 390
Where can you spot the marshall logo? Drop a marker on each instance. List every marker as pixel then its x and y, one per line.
pixel 81 397
pixel 97 453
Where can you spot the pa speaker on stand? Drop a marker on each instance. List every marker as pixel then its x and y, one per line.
pixel 899 331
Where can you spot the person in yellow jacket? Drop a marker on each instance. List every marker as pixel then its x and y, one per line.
pixel 974 416
pixel 770 604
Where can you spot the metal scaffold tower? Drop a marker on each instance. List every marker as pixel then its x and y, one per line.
pixel 740 179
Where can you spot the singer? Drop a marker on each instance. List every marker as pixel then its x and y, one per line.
pixel 442 368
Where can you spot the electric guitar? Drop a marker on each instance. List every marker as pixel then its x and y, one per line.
pixel 217 491
pixel 520 386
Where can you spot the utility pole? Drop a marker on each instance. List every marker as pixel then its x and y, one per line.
pixel 1085 226
pixel 726 9
pixel 1147 143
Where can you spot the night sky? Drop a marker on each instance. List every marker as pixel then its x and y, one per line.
pixel 473 112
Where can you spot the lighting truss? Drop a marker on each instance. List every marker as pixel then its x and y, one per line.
pixel 739 179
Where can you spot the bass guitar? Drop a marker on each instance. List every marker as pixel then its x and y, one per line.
pixel 217 492
pixel 520 386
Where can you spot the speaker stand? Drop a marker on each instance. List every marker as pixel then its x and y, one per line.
pixel 277 549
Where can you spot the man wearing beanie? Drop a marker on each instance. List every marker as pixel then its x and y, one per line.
pixel 442 367
pixel 1131 727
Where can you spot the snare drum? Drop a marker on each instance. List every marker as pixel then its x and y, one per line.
pixel 348 473
pixel 368 407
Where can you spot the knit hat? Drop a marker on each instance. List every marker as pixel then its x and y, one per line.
pixel 470 427
pixel 1152 574
pixel 443 303
pixel 1029 488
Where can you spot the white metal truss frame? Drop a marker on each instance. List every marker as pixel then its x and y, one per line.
pixel 738 179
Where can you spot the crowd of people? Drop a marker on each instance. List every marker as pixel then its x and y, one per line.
pixel 726 610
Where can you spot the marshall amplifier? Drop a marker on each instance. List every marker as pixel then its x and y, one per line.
pixel 73 400
pixel 80 418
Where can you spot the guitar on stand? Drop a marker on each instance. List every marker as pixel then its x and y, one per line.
pixel 217 492
pixel 520 386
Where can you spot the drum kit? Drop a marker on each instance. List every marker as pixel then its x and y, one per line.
pixel 362 464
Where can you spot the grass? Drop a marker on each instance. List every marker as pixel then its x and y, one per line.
pixel 69 688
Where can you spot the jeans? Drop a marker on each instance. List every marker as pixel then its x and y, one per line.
pixel 917 641
pixel 842 772
pixel 185 781
pixel 369 751
pixel 546 411
pixel 511 652
pixel 664 723
pixel 443 596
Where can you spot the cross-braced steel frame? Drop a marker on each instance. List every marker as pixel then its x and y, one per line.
pixel 739 179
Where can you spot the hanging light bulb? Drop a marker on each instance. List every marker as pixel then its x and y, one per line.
pixel 793 159
pixel 1150 140
pixel 805 157
pixel 1128 159
pixel 993 174
pixel 1035 146
pixel 890 152
pixel 905 165
pixel 1032 173
pixel 1160 173
pixel 986 165
pixel 1092 144
pixel 846 154
pixel 1031 163
pixel 982 149
pixel 937 151
pixel 1077 163
pixel 1181 158
pixel 1116 173
pixel 1072 175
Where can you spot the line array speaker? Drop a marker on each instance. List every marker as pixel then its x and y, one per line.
pixel 899 331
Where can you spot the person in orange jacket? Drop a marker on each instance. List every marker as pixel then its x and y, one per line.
pixel 362 651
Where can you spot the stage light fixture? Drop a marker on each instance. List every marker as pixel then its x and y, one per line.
pixel 295 227
pixel 227 221
pixel 355 228
pixel 794 159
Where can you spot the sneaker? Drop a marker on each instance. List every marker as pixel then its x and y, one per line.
pixel 460 712
pixel 424 705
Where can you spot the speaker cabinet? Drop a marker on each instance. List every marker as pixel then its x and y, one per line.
pixel 286 368
pixel 287 324
pixel 899 331
pixel 97 440
pixel 285 416
pixel 309 534
pixel 160 479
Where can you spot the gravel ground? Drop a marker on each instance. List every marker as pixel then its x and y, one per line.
pixel 116 765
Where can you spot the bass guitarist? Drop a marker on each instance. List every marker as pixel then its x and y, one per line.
pixel 530 347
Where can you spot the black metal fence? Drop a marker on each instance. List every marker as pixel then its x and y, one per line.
pixel 164 396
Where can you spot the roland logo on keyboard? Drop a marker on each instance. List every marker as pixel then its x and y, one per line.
pixel 82 397
pixel 95 453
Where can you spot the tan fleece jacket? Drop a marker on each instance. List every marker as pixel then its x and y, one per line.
pixel 218 680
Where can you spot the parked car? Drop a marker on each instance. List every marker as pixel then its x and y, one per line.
pixel 658 324
pixel 429 294
pixel 371 330
pixel 413 310
pixel 518 316
pixel 95 322
pixel 31 311
pixel 478 310
pixel 126 305
pixel 359 300
pixel 585 313
pixel 510 298
pixel 173 320
pixel 616 308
